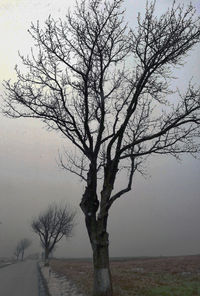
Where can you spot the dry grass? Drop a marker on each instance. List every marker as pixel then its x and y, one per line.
pixel 78 271
pixel 167 276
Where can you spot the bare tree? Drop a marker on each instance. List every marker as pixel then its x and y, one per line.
pixel 22 245
pixel 17 251
pixel 106 88
pixel 52 225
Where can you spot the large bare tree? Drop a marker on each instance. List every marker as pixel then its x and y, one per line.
pixel 51 225
pixel 106 88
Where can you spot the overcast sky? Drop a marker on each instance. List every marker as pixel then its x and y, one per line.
pixel 160 216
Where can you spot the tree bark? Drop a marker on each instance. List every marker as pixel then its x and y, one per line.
pixel 96 226
pixel 102 277
pixel 102 284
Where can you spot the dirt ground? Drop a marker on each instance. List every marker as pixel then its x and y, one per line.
pixel 161 276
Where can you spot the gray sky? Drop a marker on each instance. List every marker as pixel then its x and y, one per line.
pixel 160 216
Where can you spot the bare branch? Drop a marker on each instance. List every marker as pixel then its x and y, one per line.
pixel 106 89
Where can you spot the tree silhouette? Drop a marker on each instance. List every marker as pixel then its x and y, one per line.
pixel 52 225
pixel 22 245
pixel 106 88
pixel 17 251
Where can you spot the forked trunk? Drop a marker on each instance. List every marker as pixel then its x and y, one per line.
pixel 102 276
pixel 96 226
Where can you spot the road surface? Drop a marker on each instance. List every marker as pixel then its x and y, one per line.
pixel 20 279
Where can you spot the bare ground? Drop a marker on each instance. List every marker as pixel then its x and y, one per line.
pixel 161 276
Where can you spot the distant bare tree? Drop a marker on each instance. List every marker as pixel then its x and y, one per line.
pixel 17 251
pixel 104 87
pixel 51 225
pixel 22 245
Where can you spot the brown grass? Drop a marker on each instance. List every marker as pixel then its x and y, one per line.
pixel 135 276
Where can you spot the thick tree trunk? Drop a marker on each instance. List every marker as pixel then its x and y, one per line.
pixel 102 276
pixel 102 285
pixel 96 225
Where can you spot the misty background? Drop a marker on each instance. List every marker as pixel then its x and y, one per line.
pixel 160 216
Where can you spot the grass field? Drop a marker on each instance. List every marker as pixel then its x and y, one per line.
pixel 163 276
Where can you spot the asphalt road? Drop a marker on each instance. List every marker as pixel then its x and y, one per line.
pixel 20 279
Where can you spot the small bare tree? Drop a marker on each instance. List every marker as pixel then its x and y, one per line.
pixel 105 88
pixel 17 251
pixel 22 245
pixel 52 225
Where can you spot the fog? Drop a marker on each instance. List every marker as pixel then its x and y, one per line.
pixel 160 216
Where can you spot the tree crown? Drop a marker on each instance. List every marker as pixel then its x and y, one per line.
pixel 98 82
pixel 54 223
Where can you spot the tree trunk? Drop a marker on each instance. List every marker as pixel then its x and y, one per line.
pixel 102 285
pixel 102 276
pixel 96 226
pixel 46 257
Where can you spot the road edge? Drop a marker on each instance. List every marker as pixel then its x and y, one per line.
pixel 42 283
